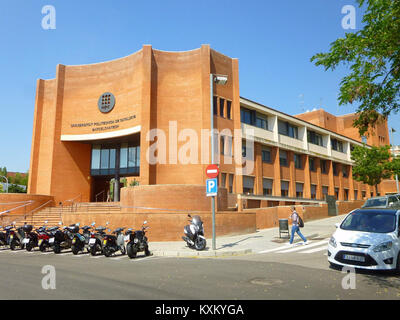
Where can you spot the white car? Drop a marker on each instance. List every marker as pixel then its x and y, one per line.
pixel 367 239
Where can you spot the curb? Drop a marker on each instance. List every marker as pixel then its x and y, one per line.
pixel 197 254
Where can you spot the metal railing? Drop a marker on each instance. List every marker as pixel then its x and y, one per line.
pixel 15 217
pixel 101 192
pixel 71 202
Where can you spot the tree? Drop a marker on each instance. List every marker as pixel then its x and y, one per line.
pixel 372 165
pixel 373 55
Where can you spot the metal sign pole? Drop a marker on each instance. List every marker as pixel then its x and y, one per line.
pixel 212 155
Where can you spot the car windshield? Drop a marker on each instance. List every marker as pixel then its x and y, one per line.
pixel 377 221
pixel 379 202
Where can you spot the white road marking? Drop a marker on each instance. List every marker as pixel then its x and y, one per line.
pixel 315 250
pixel 302 247
pixel 276 249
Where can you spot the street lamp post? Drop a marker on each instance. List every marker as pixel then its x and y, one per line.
pixel 397 179
pixel 218 79
pixel 6 182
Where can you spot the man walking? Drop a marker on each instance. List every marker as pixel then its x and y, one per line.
pixel 295 226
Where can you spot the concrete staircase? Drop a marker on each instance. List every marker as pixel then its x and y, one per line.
pixel 53 214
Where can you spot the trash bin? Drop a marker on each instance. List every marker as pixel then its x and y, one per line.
pixel 283 227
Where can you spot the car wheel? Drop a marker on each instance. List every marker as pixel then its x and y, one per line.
pixel 398 264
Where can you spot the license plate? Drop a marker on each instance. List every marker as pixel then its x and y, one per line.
pixel 104 242
pixel 51 240
pixel 127 238
pixel 40 242
pixel 353 258
pixel 26 240
pixel 92 241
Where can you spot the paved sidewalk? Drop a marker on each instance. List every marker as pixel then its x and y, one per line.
pixel 261 240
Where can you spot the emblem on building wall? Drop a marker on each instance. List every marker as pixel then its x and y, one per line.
pixel 106 102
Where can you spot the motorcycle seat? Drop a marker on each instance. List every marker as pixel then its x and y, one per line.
pixel 118 230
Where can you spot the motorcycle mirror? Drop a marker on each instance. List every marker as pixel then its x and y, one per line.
pixel 109 230
pixel 13 223
pixel 93 223
pixel 45 221
pixel 107 223
pixel 78 224
pixel 145 222
pixel 189 216
pixel 60 223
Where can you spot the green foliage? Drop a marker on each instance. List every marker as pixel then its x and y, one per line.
pixel 134 183
pixel 13 188
pixel 372 165
pixel 373 55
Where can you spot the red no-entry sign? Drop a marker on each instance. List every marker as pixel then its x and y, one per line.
pixel 212 171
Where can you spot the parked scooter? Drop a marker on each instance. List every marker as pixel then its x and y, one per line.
pixel 3 237
pixel 63 239
pixel 7 231
pixel 137 241
pixel 46 237
pixel 31 237
pixel 194 233
pixel 16 237
pixel 80 241
pixel 113 243
pixel 96 240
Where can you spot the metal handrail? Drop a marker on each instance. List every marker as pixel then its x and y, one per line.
pixel 6 212
pixel 99 194
pixel 27 203
pixel 42 205
pixel 73 201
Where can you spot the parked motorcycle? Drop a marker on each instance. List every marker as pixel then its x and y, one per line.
pixel 137 241
pixel 194 233
pixel 96 240
pixel 31 237
pixel 113 243
pixel 63 238
pixel 80 241
pixel 3 237
pixel 16 237
pixel 7 231
pixel 46 237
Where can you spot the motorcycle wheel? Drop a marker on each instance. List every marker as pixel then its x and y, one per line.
pixel 42 248
pixel 131 251
pixel 92 250
pixel 75 249
pixel 107 251
pixel 56 248
pixel 29 246
pixel 13 245
pixel 147 251
pixel 200 244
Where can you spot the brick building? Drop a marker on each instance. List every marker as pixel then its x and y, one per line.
pixel 93 123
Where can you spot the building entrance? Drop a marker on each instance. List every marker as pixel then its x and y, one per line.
pixel 109 163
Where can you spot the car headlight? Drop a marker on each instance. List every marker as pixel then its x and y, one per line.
pixel 383 246
pixel 332 242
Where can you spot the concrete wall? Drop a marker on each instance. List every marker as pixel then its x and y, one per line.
pixel 169 226
pixel 170 197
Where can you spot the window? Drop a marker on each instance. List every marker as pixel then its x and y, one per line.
pixel 335 169
pixel 284 188
pixel 324 166
pixel 267 186
pixel 222 144
pixel 248 184
pixel 244 150
pixel 230 187
pixel 96 157
pixel 344 171
pixel 337 145
pixel 229 109
pixel 266 154
pixel 313 191
pixel 297 161
pixel 221 107
pixel 355 194
pixel 364 194
pixel 247 116
pixel 337 193
pixel 283 158
pixel 215 105
pixel 288 129
pixel 223 180
pixel 324 191
pixel 314 138
pixel 299 190
pixel 364 139
pixel 311 162
pixel 261 121
pixel 346 194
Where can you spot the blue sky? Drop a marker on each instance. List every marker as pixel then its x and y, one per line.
pixel 273 41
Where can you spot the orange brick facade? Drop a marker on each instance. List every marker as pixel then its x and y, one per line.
pixel 154 89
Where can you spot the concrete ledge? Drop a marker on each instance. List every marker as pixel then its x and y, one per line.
pixel 196 254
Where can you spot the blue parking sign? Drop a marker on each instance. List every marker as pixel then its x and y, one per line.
pixel 212 187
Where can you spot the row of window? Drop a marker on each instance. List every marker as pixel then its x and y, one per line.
pixel 222 107
pixel 256 119
pixel 248 188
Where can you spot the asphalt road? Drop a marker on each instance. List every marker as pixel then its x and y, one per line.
pixel 272 275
